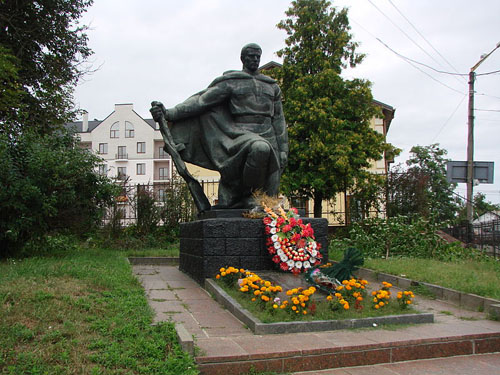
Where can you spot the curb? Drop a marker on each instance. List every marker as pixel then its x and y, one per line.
pixel 165 261
pixel 259 328
pixel 461 299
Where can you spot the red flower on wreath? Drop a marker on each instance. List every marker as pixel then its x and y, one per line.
pixel 291 242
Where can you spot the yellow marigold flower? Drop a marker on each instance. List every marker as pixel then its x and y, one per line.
pixel 346 306
pixel 223 273
pixel 345 282
pixel 312 289
pixel 400 296
pixel 340 287
pixel 357 285
pixel 242 270
pixel 267 283
pixel 279 289
pixel 348 287
pixel 364 282
pixel 374 293
pixel 253 299
pixel 338 295
pixel 282 306
pixel 408 302
pixel 303 304
pixel 304 312
pixel 377 306
pixel 263 288
pixel 381 303
pixel 294 308
pixel 217 277
pixel 329 298
pixel 406 292
pixel 257 292
pixel 360 299
pixel 295 290
pixel 289 292
pixel 275 306
pixel 222 269
pixel 375 300
pixel 306 292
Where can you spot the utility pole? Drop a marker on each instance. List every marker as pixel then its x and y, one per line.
pixel 470 136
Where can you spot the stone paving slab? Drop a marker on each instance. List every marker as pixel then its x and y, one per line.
pixel 226 346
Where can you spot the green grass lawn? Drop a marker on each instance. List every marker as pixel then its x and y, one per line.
pixel 477 276
pixel 171 250
pixel 82 312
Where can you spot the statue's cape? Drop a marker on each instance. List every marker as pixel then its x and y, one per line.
pixel 213 141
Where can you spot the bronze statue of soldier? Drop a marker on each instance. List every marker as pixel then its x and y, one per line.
pixel 236 127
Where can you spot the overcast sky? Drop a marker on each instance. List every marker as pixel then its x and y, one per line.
pixel 168 50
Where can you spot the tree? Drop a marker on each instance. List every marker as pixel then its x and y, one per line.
pixel 43 48
pixel 48 184
pixel 331 142
pixel 423 187
pixel 480 205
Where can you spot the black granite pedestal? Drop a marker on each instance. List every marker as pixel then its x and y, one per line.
pixel 207 245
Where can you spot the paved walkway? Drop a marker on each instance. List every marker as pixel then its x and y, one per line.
pixel 483 364
pixel 226 346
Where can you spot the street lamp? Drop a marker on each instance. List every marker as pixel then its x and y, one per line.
pixel 470 137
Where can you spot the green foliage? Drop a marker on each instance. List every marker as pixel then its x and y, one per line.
pixel 423 188
pixel 401 236
pixel 42 50
pixel 148 213
pixel 47 184
pixel 480 205
pixel 330 138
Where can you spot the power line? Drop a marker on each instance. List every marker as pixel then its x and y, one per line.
pixel 449 118
pixel 404 33
pixel 412 62
pixel 423 37
pixel 487 110
pixel 485 74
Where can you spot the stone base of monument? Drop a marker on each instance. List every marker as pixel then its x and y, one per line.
pixel 207 245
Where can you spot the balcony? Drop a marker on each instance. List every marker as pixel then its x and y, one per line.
pixel 121 156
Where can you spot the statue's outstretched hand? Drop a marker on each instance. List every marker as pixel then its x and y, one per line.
pixel 158 111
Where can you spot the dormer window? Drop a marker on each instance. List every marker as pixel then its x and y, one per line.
pixel 129 130
pixel 114 132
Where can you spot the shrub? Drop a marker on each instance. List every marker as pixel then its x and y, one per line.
pixel 400 236
pixel 47 185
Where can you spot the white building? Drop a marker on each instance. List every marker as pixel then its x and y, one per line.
pixel 132 147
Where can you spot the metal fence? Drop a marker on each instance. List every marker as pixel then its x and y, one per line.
pixel 483 236
pixel 339 212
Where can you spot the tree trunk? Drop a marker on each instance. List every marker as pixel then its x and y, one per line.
pixel 318 204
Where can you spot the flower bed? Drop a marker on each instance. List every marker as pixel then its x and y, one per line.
pixel 269 303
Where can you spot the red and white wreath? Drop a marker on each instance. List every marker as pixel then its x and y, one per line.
pixel 291 242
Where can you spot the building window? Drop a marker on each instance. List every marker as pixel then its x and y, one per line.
pixel 129 130
pixel 162 154
pixel 141 147
pixel 122 173
pixel 122 152
pixel 103 169
pixel 115 130
pixel 103 148
pixel 161 194
pixel 163 173
pixel 141 168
